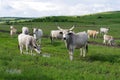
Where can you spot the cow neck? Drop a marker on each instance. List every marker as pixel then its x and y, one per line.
pixel 69 41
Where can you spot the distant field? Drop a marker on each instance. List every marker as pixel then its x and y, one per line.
pixel 101 62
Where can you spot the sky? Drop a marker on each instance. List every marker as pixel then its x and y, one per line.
pixel 42 8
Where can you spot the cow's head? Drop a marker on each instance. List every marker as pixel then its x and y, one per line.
pixel 64 32
pixel 37 49
pixel 67 35
pixel 34 30
pixel 11 27
pixel 112 42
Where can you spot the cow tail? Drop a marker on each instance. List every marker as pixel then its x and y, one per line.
pixel 86 48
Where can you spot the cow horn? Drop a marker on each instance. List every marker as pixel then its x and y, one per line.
pixel 59 28
pixel 72 28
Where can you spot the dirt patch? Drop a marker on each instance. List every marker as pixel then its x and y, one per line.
pixel 4 31
pixel 101 44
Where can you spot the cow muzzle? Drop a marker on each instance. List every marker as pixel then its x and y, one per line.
pixel 64 38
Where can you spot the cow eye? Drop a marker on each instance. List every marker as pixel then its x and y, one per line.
pixel 61 32
pixel 35 47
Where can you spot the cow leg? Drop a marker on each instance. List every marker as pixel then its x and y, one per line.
pixel 81 51
pixel 31 49
pixel 11 33
pixel 84 51
pixel 27 48
pixel 110 42
pixel 104 42
pixel 51 38
pixel 21 48
pixel 88 36
pixel 71 55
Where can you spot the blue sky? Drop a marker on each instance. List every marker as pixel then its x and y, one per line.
pixel 41 8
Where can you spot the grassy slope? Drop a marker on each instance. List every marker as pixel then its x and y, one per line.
pixel 101 63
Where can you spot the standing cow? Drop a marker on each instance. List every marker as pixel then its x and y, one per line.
pixel 76 40
pixel 104 30
pixel 37 34
pixel 29 42
pixel 92 33
pixel 108 40
pixel 13 30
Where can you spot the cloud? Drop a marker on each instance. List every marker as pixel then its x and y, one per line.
pixel 39 8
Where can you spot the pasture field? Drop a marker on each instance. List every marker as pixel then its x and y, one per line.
pixel 101 62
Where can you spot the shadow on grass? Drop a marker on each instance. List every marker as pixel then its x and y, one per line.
pixel 103 58
pixel 14 77
pixel 56 43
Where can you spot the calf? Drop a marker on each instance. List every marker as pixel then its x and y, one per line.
pixel 108 39
pixel 29 42
pixel 92 33
pixel 104 30
pixel 13 30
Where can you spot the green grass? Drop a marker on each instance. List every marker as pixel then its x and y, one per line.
pixel 101 62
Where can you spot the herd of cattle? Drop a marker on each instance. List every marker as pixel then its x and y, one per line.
pixel 72 40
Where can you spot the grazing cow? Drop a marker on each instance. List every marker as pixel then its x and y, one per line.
pixel 92 33
pixel 29 42
pixel 108 40
pixel 104 30
pixel 25 30
pixel 13 30
pixel 76 40
pixel 37 33
pixel 58 34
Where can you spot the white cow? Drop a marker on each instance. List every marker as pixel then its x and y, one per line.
pixel 55 34
pixel 104 30
pixel 92 33
pixel 58 34
pixel 13 30
pixel 108 40
pixel 25 30
pixel 78 41
pixel 29 42
pixel 37 33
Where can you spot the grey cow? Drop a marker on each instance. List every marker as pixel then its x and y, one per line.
pixel 76 40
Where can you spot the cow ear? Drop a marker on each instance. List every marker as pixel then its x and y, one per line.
pixel 60 32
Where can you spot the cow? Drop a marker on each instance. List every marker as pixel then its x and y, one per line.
pixel 37 34
pixel 92 33
pixel 25 30
pixel 58 34
pixel 29 42
pixel 13 30
pixel 104 30
pixel 55 34
pixel 107 39
pixel 76 41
